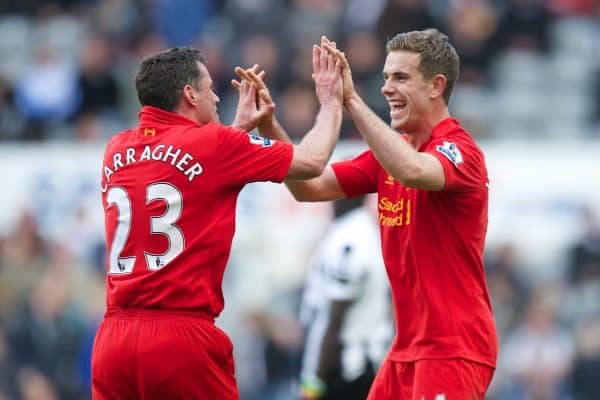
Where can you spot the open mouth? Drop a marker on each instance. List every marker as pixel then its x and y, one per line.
pixel 397 106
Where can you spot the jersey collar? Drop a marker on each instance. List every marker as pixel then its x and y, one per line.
pixel 444 127
pixel 156 116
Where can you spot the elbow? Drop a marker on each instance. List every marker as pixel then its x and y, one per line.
pixel 313 168
pixel 410 177
pixel 301 197
pixel 317 166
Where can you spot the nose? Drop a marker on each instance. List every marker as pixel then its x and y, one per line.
pixel 217 99
pixel 386 88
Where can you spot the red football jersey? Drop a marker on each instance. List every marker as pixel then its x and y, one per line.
pixel 169 190
pixel 433 250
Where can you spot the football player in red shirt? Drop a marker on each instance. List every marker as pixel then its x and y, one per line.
pixel 432 185
pixel 169 190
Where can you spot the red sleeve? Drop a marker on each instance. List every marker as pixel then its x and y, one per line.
pixel 462 160
pixel 246 158
pixel 359 175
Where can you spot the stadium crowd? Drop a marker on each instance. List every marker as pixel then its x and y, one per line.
pixel 66 74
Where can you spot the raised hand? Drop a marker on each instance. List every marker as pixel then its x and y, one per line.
pixel 331 48
pixel 263 98
pixel 327 76
pixel 255 105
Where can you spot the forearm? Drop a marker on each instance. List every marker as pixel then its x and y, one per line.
pixel 273 130
pixel 312 155
pixel 318 144
pixel 394 153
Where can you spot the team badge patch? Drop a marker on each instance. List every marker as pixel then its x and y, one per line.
pixel 261 141
pixel 450 150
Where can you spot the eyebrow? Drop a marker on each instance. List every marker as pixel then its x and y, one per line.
pixel 396 74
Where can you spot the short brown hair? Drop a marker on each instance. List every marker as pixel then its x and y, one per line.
pixel 161 77
pixel 437 55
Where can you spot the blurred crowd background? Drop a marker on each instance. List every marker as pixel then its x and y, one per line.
pixel 530 78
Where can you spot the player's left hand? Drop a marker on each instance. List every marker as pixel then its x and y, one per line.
pixel 327 76
pixel 264 99
pixel 255 104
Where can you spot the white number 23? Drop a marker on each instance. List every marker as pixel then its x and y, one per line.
pixel 163 224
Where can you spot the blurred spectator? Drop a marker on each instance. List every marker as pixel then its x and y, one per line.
pixel 119 19
pixel 12 123
pixel 582 300
pixel 346 306
pixel 585 254
pixel 7 368
pixel 46 334
pixel 538 355
pixel 585 382
pixel 249 16
pixel 22 260
pixel 576 8
pixel 264 50
pixel 404 15
pixel 297 107
pixel 507 290
pixel 97 84
pixel 307 20
pixel 181 22
pixel 47 92
pixel 34 385
pixel 362 15
pixel 472 27
pixel 525 25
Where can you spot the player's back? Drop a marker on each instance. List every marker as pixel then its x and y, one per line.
pixel 169 191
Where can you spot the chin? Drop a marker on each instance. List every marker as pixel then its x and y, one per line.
pixel 398 125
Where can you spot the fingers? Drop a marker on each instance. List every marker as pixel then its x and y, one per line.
pixel 236 84
pixel 252 76
pixel 325 41
pixel 256 80
pixel 338 67
pixel 315 59
pixel 265 97
pixel 323 59
pixel 251 90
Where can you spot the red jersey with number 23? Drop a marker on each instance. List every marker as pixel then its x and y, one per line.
pixel 432 245
pixel 169 190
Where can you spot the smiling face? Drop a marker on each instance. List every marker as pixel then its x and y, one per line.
pixel 406 91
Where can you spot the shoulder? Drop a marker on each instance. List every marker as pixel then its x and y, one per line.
pixel 457 145
pixel 117 139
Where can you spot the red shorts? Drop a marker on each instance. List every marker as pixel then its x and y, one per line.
pixel 453 379
pixel 161 355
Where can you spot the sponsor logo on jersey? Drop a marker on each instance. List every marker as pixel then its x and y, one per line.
pixel 399 210
pixel 261 141
pixel 450 150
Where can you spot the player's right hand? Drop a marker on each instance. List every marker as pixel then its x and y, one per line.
pixel 331 48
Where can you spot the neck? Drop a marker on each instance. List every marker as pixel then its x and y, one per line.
pixel 186 112
pixel 422 134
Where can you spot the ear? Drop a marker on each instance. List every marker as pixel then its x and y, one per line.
pixel 437 86
pixel 189 95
